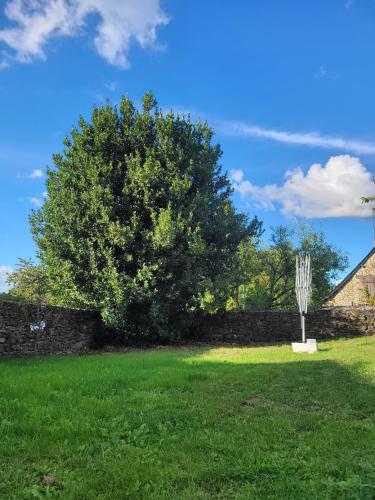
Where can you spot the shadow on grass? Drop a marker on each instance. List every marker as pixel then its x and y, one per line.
pixel 210 370
pixel 302 384
pixel 190 424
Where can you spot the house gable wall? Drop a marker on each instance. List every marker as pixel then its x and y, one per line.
pixel 351 294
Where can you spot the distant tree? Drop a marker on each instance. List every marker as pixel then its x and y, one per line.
pixel 368 199
pixel 29 282
pixel 139 219
pixel 269 271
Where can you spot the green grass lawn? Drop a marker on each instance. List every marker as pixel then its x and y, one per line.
pixel 191 424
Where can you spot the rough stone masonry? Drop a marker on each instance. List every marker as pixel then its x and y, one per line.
pixel 245 327
pixel 27 329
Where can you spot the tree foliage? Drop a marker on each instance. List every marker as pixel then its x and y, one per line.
pixel 269 270
pixel 138 219
pixel 29 282
pixel 368 199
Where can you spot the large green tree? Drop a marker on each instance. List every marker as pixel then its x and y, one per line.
pixel 268 271
pixel 138 218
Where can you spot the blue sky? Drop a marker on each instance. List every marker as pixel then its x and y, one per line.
pixel 287 85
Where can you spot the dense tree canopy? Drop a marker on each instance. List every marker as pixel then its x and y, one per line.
pixel 138 219
pixel 268 271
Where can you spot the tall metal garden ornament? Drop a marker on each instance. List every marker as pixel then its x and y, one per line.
pixel 303 287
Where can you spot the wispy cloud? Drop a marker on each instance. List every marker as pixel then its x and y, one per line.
pixel 312 139
pixel 37 202
pixel 121 23
pixel 302 138
pixel 36 174
pixel 321 73
pixel 331 190
pixel 324 74
pixel 111 86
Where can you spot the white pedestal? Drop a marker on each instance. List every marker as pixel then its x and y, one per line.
pixel 310 346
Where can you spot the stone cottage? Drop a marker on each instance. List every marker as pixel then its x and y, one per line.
pixel 352 290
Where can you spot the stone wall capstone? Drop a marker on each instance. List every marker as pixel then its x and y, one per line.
pixel 29 329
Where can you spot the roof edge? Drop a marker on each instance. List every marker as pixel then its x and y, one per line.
pixel 349 276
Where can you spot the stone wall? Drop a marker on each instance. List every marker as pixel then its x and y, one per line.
pixel 272 326
pixel 27 329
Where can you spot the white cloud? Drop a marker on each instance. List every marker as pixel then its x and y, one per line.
pixel 4 271
pixel 313 139
pixel 38 202
pixel 36 174
pixel 120 24
pixel 331 190
pixel 236 175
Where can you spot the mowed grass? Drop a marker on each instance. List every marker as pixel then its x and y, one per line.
pixel 191 423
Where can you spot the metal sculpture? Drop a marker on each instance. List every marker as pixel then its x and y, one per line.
pixel 303 287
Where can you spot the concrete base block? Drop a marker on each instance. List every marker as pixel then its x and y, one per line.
pixel 310 346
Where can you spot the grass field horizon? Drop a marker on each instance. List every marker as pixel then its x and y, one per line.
pixel 191 423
